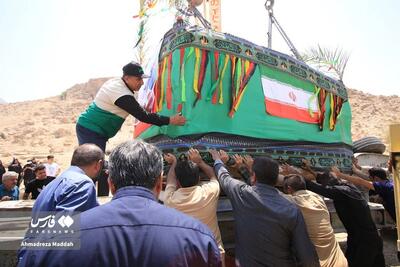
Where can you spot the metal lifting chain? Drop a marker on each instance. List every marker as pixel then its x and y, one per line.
pixel 269 4
pixel 191 10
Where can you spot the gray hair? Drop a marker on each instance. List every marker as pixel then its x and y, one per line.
pixel 8 175
pixel 86 154
pixel 295 181
pixel 135 163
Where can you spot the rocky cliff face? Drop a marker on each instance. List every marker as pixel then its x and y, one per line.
pixel 372 114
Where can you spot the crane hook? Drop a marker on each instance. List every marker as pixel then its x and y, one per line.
pixel 269 4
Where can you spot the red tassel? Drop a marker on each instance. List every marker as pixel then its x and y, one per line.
pixel 203 66
pixel 157 88
pixel 214 98
pixel 182 56
pixel 245 79
pixel 321 98
pixel 169 84
pixel 216 62
pixel 179 108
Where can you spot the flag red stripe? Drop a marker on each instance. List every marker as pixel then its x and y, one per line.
pixel 140 128
pixel 289 112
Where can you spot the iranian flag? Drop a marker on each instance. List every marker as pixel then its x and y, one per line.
pixel 286 101
pixel 140 127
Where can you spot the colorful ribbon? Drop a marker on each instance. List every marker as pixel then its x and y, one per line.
pixel 169 83
pixel 248 71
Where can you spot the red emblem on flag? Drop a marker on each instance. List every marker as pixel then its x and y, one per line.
pixel 292 96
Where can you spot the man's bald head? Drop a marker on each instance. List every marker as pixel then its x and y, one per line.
pixel 86 154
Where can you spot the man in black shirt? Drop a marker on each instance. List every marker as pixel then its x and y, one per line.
pixel 29 172
pixel 35 186
pixel 364 244
pixel 270 230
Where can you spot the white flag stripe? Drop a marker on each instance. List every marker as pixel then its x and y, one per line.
pixel 288 95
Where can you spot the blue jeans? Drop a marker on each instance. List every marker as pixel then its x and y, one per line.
pixel 86 136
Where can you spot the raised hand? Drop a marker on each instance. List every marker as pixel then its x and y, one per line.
pixel 238 160
pixel 214 154
pixel 170 158
pixel 306 164
pixel 287 169
pixel 224 156
pixel 335 170
pixel 248 160
pixel 194 156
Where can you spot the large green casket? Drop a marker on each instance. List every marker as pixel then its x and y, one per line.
pixel 245 99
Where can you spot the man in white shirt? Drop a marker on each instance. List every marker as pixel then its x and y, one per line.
pixel 185 193
pixel 113 103
pixel 52 168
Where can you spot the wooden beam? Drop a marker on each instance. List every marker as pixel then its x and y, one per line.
pixel 395 157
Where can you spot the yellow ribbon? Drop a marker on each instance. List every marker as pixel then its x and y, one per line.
pixel 162 84
pixel 196 70
pixel 221 78
pixel 313 96
pixel 331 122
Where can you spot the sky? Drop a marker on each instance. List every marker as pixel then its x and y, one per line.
pixel 47 46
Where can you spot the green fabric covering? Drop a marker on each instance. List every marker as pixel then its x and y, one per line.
pixel 251 118
pixel 100 121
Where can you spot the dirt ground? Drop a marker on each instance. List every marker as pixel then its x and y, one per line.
pixel 389 247
pixel 389 236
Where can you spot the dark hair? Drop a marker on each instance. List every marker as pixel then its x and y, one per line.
pixel 187 173
pixel 135 163
pixel 326 178
pixel 133 69
pixel 266 170
pixel 295 181
pixel 378 172
pixel 50 157
pixel 39 168
pixel 86 154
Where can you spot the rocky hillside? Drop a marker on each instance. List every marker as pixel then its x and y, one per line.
pixel 372 114
pixel 47 126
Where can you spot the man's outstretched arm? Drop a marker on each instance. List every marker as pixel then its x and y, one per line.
pixel 229 185
pixel 194 156
pixel 130 105
pixel 353 179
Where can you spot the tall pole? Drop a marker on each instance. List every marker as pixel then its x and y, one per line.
pixel 269 5
pixel 395 158
pixel 141 4
pixel 212 13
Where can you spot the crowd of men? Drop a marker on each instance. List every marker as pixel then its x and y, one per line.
pixel 34 176
pixel 288 227
pixel 272 228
